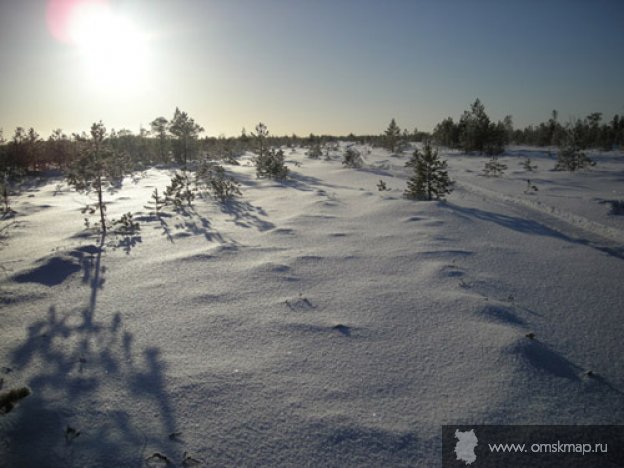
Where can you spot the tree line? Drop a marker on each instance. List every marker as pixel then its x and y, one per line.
pixel 177 140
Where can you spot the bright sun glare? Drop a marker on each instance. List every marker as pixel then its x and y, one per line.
pixel 110 45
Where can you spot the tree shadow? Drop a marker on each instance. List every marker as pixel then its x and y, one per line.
pixel 376 170
pixel 308 183
pixel 165 228
pixel 161 217
pixel 246 215
pixel 195 224
pixel 528 226
pixel 85 375
pixel 126 241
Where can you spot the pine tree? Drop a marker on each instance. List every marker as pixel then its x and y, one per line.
pixel 224 187
pixel 473 128
pixel 212 176
pixel 159 128
pixel 570 156
pixel 261 136
pixel 179 191
pixel 271 164
pixel 157 203
pixel 494 168
pixel 352 158
pixel 392 136
pixel 97 168
pixel 430 179
pixel 528 166
pixel 186 132
pixel 126 224
pixel 315 151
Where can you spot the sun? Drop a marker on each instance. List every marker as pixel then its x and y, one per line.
pixel 111 47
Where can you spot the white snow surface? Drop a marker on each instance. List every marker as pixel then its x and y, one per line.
pixel 312 322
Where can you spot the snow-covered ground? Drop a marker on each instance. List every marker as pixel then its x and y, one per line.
pixel 314 322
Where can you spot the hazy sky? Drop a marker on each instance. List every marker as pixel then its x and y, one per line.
pixel 322 66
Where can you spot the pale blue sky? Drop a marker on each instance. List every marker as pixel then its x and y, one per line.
pixel 318 66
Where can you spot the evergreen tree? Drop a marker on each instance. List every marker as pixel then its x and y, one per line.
pixel 315 151
pixel 224 187
pixel 212 176
pixel 571 155
pixel 494 168
pixel 157 203
pixel 392 136
pixel 59 148
pixel 430 179
pixel 496 139
pixel 159 128
pixel 271 164
pixel 186 132
pixel 261 136
pixel 126 224
pixel 179 191
pixel 97 168
pixel 446 133
pixel 571 158
pixel 528 166
pixel 474 126
pixel 352 158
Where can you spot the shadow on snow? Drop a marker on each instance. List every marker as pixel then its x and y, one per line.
pixel 528 226
pixel 84 374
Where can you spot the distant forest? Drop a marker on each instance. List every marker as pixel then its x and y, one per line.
pixel 179 140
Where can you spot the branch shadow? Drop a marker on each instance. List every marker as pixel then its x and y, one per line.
pixel 85 374
pixel 246 215
pixel 161 218
pixel 126 241
pixel 195 224
pixel 308 183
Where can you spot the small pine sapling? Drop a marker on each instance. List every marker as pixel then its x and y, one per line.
pixel 157 203
pixel 494 168
pixel 571 158
pixel 528 166
pixel 88 209
pixel 352 158
pixel 571 155
pixel 224 187
pixel 430 179
pixel 97 167
pixel 179 191
pixel 212 176
pixel 205 173
pixel 315 152
pixel 126 225
pixel 381 186
pixel 270 164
